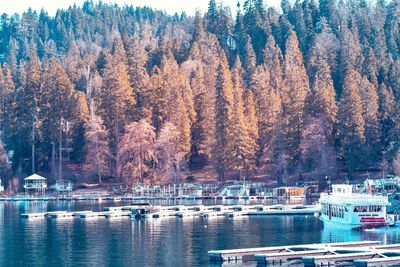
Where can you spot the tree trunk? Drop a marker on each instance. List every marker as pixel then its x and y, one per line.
pixel 53 155
pixel 99 176
pixel 33 147
pixel 60 153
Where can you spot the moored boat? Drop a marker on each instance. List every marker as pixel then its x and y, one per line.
pixel 344 208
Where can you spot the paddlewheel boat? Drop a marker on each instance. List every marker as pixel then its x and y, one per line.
pixel 344 208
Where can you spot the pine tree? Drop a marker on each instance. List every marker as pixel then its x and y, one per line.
pixel 249 60
pixel 298 88
pixel 351 57
pixel 98 154
pixel 115 100
pixel 394 81
pixel 203 127
pixel 351 124
pixel 27 99
pixel 243 150
pixel 171 100
pixel 56 103
pixel 325 48
pixel 198 32
pixel 4 162
pixel 369 100
pixel 7 98
pixel 329 10
pixel 250 116
pixel 137 59
pixel 322 100
pixel 273 61
pixel 187 95
pixel 268 106
pixel 387 117
pixel 212 17
pixel 224 104
pixel 117 49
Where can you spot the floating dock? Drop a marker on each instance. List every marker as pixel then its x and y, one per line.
pixel 129 198
pixel 359 254
pixel 180 211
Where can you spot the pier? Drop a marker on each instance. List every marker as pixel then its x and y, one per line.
pixel 127 198
pixel 359 254
pixel 142 211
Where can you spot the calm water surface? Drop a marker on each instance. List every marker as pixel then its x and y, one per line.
pixel 158 242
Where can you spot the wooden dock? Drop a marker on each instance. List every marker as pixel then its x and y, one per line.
pixel 360 254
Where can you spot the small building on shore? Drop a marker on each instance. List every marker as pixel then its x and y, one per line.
pixel 63 187
pixel 35 185
pixel 289 192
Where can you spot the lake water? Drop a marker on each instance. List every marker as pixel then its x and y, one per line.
pixel 157 242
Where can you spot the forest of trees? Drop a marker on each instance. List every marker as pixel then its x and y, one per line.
pixel 134 94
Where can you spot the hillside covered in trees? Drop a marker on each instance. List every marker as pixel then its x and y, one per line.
pixel 134 94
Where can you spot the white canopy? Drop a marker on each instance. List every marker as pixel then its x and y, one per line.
pixel 35 177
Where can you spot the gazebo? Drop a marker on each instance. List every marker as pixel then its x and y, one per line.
pixel 35 184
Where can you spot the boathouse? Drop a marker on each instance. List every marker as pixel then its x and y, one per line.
pixel 63 186
pixel 288 192
pixel 35 185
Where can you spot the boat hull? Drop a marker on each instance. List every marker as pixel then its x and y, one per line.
pixel 351 226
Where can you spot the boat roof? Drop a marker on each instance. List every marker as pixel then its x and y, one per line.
pixel 354 199
pixel 35 177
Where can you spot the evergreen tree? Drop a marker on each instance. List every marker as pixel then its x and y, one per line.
pixel 27 99
pixel 268 106
pixel 250 116
pixel 202 130
pixel 137 59
pixel 322 100
pixel 273 61
pixel 57 104
pixel 249 59
pixel 243 148
pixel 387 117
pixel 4 162
pixel 369 100
pixel 224 105
pixel 298 88
pixel 115 100
pixel 351 124
pixel 168 100
pixel 7 100
pixel 351 57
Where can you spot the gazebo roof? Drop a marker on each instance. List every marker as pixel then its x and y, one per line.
pixel 35 177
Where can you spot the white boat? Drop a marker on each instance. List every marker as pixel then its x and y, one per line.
pixel 344 208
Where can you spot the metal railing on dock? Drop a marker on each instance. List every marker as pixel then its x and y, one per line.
pixel 360 254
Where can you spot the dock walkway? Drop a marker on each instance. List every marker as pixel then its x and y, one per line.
pixel 360 254
pixel 181 211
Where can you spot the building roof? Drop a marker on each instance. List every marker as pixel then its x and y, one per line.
pixel 35 177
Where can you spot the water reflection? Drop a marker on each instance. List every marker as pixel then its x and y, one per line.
pixel 154 242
